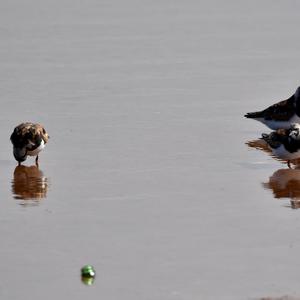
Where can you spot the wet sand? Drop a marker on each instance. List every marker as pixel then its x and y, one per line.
pixel 147 175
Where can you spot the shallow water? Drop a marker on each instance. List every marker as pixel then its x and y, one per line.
pixel 147 175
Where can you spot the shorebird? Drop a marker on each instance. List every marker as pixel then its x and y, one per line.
pixel 285 143
pixel 28 139
pixel 281 114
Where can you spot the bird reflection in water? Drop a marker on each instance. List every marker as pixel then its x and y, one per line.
pixel 259 144
pixel 29 184
pixel 285 183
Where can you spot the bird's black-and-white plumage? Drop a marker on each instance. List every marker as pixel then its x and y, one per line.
pixel 284 143
pixel 28 139
pixel 280 115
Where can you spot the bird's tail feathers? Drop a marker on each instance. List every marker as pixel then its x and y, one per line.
pixel 254 115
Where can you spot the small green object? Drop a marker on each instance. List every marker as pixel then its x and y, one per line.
pixel 88 271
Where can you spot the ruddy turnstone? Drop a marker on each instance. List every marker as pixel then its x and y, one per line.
pixel 285 143
pixel 281 114
pixel 28 139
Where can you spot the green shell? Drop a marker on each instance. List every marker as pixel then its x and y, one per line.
pixel 88 271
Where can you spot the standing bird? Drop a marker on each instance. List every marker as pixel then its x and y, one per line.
pixel 281 114
pixel 285 143
pixel 28 139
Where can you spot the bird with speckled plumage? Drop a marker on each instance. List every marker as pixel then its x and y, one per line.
pixel 28 139
pixel 284 143
pixel 280 115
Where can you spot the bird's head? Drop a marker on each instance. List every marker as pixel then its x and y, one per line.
pixel 295 131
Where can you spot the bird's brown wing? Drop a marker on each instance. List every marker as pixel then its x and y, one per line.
pixel 281 111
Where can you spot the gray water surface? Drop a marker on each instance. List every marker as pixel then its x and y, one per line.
pixel 147 175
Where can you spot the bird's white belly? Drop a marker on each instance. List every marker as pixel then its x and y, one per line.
pixel 273 124
pixel 37 150
pixel 282 153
